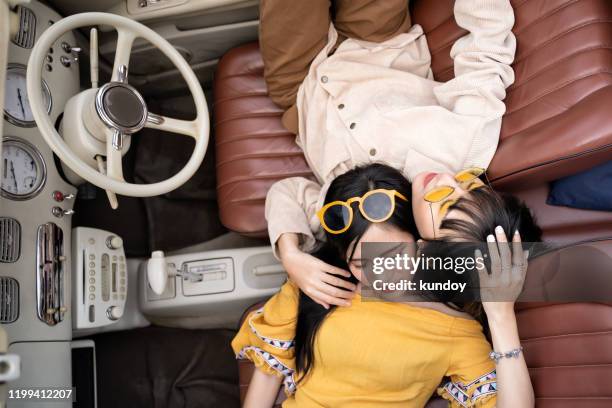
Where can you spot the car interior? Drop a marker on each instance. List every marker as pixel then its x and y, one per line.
pixel 138 144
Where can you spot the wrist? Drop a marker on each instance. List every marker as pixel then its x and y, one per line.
pixel 287 244
pixel 499 311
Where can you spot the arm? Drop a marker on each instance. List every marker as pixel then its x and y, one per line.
pixel 290 211
pixel 514 385
pixel 262 391
pixel 481 58
pixel 482 61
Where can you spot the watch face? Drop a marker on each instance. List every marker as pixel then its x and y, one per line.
pixel 23 169
pixel 16 104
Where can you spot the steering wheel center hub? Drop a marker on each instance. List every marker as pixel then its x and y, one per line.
pixel 121 107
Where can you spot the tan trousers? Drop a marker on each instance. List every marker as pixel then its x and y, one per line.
pixel 293 32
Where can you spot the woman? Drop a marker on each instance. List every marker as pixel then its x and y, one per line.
pixel 360 90
pixel 385 354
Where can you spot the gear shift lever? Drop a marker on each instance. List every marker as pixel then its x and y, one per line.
pixel 159 270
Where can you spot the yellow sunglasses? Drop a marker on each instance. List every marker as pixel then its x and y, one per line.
pixel 464 178
pixel 375 206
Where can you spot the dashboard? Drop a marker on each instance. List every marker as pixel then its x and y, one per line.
pixel 36 202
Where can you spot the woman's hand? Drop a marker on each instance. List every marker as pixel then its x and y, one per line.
pixel 500 288
pixel 313 276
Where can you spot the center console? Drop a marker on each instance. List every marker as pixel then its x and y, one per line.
pixel 214 286
pixel 99 274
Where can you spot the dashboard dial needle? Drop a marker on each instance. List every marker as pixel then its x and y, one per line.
pixel 20 103
pixel 14 177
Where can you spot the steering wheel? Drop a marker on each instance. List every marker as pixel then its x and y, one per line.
pixel 104 116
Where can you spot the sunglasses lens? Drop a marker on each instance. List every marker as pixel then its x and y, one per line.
pixel 377 206
pixel 469 174
pixel 438 194
pixel 337 217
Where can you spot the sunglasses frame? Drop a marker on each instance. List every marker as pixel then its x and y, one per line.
pixel 479 170
pixel 391 194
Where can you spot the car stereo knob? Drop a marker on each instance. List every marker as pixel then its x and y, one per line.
pixel 114 242
pixel 114 312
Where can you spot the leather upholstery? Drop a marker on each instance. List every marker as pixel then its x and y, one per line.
pixel 558 108
pixel 254 150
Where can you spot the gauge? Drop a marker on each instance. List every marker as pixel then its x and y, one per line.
pixel 23 169
pixel 16 104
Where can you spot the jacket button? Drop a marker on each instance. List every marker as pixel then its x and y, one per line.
pixel 324 79
pixel 341 106
pixel 352 125
pixel 372 152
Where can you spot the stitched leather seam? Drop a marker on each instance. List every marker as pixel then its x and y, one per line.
pixel 571 366
pixel 518 5
pixel 254 136
pixel 448 44
pixel 574 398
pixel 265 177
pixel 559 87
pixel 567 335
pixel 260 156
pixel 554 161
pixel 242 95
pixel 545 16
pixel 249 116
pixel 440 24
pixel 256 74
pixel 564 59
pixel 562 34
pixel 555 115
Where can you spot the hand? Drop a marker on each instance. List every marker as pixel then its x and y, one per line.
pixel 500 288
pixel 316 278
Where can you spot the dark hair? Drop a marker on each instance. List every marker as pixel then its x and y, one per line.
pixel 339 248
pixel 484 209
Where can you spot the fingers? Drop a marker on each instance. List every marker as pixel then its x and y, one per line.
pixel 493 254
pixel 332 280
pixel 335 271
pixel 483 275
pixel 319 297
pixel 518 257
pixel 504 248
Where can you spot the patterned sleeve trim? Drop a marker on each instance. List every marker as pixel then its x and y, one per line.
pixel 480 388
pixel 279 344
pixel 285 372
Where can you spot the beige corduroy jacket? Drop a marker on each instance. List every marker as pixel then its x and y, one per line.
pixel 378 102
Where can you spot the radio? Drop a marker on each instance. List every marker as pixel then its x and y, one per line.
pixel 99 277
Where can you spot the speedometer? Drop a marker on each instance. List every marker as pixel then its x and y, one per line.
pixel 23 169
pixel 16 104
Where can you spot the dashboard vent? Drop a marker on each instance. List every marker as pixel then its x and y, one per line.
pixel 9 300
pixel 10 239
pixel 26 35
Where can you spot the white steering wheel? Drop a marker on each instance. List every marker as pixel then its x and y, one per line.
pixel 103 116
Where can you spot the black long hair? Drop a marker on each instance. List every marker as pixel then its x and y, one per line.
pixel 339 248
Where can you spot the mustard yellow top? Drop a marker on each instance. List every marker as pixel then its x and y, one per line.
pixel 372 354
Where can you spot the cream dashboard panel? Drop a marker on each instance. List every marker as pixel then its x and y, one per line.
pixel 142 10
pixel 63 83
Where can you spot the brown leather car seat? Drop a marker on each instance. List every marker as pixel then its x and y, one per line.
pixel 558 123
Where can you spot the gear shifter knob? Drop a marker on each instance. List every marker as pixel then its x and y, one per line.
pixel 157 272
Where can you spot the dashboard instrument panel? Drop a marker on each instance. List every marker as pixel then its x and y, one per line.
pixel 16 104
